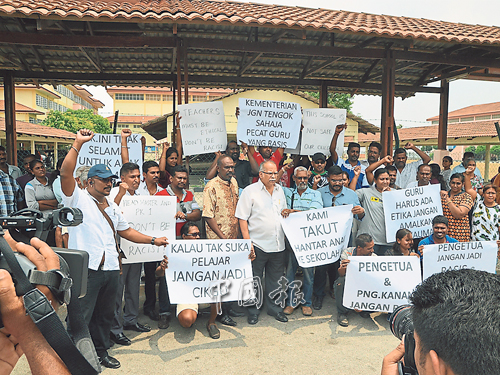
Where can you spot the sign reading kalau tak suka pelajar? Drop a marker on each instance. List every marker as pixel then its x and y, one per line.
pixel 269 123
pixel 380 283
pixel 318 237
pixel 412 209
pixel 199 271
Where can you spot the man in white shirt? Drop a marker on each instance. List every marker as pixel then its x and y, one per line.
pixel 424 174
pixel 259 211
pixel 102 220
pixel 406 173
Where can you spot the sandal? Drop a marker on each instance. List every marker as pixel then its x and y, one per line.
pixel 213 330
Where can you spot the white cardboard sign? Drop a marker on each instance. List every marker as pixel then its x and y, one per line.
pixel 413 209
pixel 318 237
pixel 319 128
pixel 150 215
pixel 197 267
pixel 380 283
pixel 269 123
pixel 106 149
pixel 478 255
pixel 203 128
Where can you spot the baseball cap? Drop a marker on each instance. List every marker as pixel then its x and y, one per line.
pixel 318 156
pixel 102 171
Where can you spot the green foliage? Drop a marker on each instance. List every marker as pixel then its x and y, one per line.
pixel 479 151
pixel 74 120
pixel 337 99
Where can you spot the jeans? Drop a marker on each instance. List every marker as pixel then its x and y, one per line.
pixel 307 285
pixel 150 289
pixel 320 277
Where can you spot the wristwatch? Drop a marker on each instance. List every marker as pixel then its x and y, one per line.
pixel 153 240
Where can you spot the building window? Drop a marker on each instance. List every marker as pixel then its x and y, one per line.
pixel 137 126
pixel 42 101
pixel 153 97
pixel 452 120
pixel 467 119
pixel 168 98
pixel 200 98
pixel 129 96
pixel 480 118
pixel 495 116
pixel 435 122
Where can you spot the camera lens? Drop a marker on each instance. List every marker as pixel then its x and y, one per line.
pixel 401 322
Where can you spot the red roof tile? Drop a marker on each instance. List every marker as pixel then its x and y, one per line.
pixel 38 130
pixel 260 14
pixel 472 110
pixel 20 108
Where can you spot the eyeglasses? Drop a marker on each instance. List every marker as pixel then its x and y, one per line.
pixel 197 234
pixel 301 178
pixel 270 173
pixel 107 180
pixel 320 162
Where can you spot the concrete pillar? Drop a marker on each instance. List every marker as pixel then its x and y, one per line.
pixel 10 117
pixel 487 158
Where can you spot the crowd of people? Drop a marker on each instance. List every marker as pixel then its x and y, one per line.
pixel 241 199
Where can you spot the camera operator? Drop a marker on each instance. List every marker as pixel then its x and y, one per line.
pixel 102 220
pixel 20 335
pixel 456 324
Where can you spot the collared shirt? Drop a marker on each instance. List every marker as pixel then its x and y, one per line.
pixel 143 189
pixel 14 172
pixel 430 241
pixel 309 200
pixel 408 174
pixel 219 202
pixel 114 192
pixel 94 235
pixel 186 205
pixel 262 211
pixel 346 196
pixel 347 167
pixel 36 191
pixel 10 194
pixel 276 157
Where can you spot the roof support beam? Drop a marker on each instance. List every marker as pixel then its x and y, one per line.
pixel 10 117
pixel 443 114
pixel 388 93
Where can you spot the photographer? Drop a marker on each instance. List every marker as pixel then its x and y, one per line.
pixel 20 335
pixel 455 318
pixel 102 220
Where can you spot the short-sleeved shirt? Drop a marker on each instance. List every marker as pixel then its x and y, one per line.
pixel 485 222
pixel 10 194
pixel 262 211
pixel 219 202
pixel 458 228
pixel 321 183
pixel 415 184
pixel 143 189
pixel 446 173
pixel 36 191
pixel 346 196
pixel 14 172
pixel 373 222
pixel 351 251
pixel 243 173
pixel 24 179
pixel 430 241
pixel 276 157
pixel 347 167
pixel 309 200
pixel 94 235
pixel 408 174
pixel 186 205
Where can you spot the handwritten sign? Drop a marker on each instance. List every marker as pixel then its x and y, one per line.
pixel 150 215
pixel 269 123
pixel 319 128
pixel 203 128
pixel 200 269
pixel 480 255
pixel 106 149
pixel 318 237
pixel 413 209
pixel 380 283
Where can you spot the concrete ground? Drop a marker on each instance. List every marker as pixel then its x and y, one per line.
pixel 312 345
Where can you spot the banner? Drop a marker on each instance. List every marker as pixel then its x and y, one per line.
pixel 203 128
pixel 413 209
pixel 318 237
pixel 150 215
pixel 380 283
pixel 319 128
pixel 199 270
pixel 269 123
pixel 461 255
pixel 106 149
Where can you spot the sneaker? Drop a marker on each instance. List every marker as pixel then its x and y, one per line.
pixel 342 320
pixel 164 321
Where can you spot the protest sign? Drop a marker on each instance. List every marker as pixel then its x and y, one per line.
pixel 106 149
pixel 380 283
pixel 150 215
pixel 480 255
pixel 198 268
pixel 319 128
pixel 203 128
pixel 269 123
pixel 318 237
pixel 413 209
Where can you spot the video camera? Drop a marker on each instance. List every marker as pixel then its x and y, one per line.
pixel 28 223
pixel 401 323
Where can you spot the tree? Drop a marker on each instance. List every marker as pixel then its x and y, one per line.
pixel 495 152
pixel 337 99
pixel 74 120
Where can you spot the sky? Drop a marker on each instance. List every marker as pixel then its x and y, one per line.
pixel 415 110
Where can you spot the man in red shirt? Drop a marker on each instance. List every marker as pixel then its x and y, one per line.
pixel 265 153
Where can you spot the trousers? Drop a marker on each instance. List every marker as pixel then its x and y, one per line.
pixel 130 280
